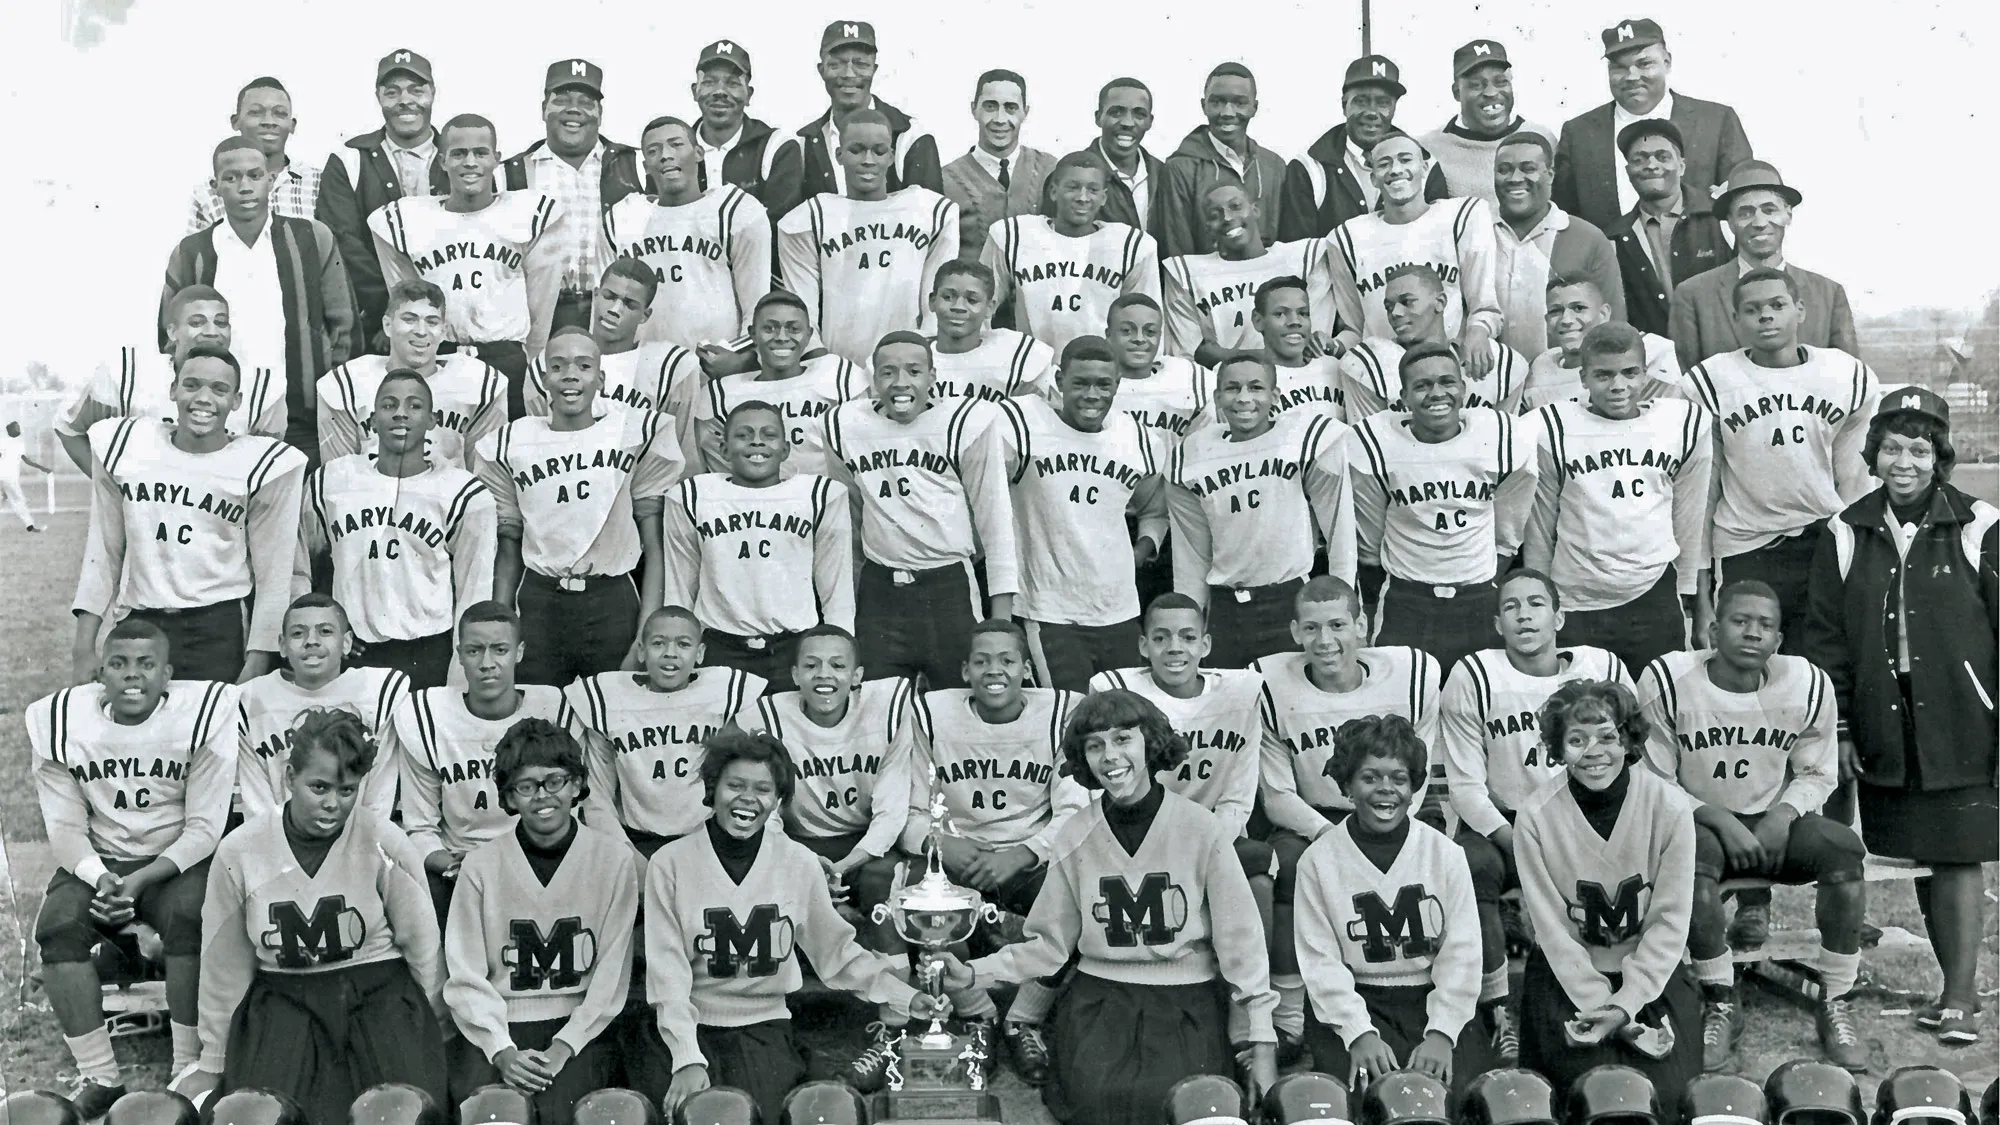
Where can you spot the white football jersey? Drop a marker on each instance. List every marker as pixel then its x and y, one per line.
pixel 865 267
pixel 712 258
pixel 1453 237
pixel 1004 365
pixel 803 400
pixel 478 258
pixel 1063 286
pixel 1209 296
pixel 468 399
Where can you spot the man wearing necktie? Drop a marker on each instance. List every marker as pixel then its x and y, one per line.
pixel 1001 177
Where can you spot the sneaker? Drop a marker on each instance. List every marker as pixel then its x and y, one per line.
pixel 1930 1014
pixel 1871 935
pixel 870 1069
pixel 1955 1027
pixel 93 1099
pixel 1505 1035
pixel 1751 927
pixel 33 528
pixel 1838 1037
pixel 1291 1048
pixel 1028 1048
pixel 1514 925
pixel 1720 1022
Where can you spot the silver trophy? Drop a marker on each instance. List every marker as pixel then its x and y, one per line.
pixel 933 914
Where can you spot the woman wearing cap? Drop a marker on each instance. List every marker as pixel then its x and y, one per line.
pixel 1902 615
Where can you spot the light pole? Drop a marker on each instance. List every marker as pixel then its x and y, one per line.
pixel 1367 30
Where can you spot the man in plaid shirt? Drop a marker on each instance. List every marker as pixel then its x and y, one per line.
pixel 264 115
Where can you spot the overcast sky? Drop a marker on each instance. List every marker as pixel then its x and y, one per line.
pixel 1857 109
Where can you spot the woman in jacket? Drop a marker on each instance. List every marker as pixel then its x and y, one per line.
pixel 1902 611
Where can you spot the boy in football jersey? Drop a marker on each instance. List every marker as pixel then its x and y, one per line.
pixel 443 739
pixel 315 646
pixel 1062 270
pixel 930 479
pixel 758 556
pixel 993 749
pixel 1081 466
pixel 1750 736
pixel 468 395
pixel 133 774
pixel 141 383
pixel 864 261
pixel 187 523
pixel 412 539
pixel 802 390
pixel 1494 760
pixel 579 495
pixel 644 730
pixel 1441 498
pixel 1790 421
pixel 654 375
pixel 1414 298
pixel 479 245
pixel 1453 236
pixel 1307 696
pixel 974 360
pixel 1281 311
pixel 1620 519
pixel 1208 296
pixel 708 246
pixel 1166 394
pixel 1575 306
pixel 1250 500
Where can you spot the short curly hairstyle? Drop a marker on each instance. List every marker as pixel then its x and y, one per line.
pixel 337 731
pixel 1593 701
pixel 1378 736
pixel 1118 710
pixel 537 742
pixel 1909 424
pixel 734 744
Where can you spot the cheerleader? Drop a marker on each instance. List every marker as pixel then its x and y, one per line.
pixel 320 962
pixel 538 947
pixel 1606 854
pixel 1144 889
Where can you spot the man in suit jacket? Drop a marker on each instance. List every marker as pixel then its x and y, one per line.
pixel 399 159
pixel 1001 177
pixel 1330 184
pixel 1637 61
pixel 1124 117
pixel 1672 234
pixel 1757 204
pixel 805 167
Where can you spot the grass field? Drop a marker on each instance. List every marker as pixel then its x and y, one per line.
pixel 37 576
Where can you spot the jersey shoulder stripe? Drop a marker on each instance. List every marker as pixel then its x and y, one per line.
pixel 392 219
pixel 1705 390
pixel 420 706
pixel 545 209
pixel 266 465
pixel 1370 444
pixel 1858 396
pixel 899 705
pixel 684 493
pixel 1023 438
pixel 735 695
pixel 1463 219
pixel 1692 431
pixel 1128 257
pixel 941 213
pixel 822 495
pixel 1552 425
pixel 454 514
pixel 128 379
pixel 1343 241
pixel 1659 677
pixel 1477 675
pixel 394 687
pixel 920 708
pixel 121 439
pixel 1316 438
pixel 1017 370
pixel 58 749
pixel 1371 365
pixel 213 699
pixel 767 709
pixel 1059 718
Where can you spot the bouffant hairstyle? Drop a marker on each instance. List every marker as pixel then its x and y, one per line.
pixel 1910 424
pixel 734 744
pixel 1378 736
pixel 337 731
pixel 1593 701
pixel 537 742
pixel 1118 710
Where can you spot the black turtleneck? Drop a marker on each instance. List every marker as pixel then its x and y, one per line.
pixel 737 856
pixel 1381 848
pixel 1914 510
pixel 1601 807
pixel 543 861
pixel 310 851
pixel 1129 823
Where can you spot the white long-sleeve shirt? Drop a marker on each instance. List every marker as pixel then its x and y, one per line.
pixel 1301 719
pixel 1249 513
pixel 269 706
pixel 1743 751
pixel 756 562
pixel 1209 297
pixel 1223 727
pixel 865 267
pixel 1443 512
pixel 494 286
pixel 1453 236
pixel 1489 725
pixel 1002 782
pixel 712 258
pixel 1063 286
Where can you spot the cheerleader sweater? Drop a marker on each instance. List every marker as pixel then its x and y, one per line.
pixel 1176 909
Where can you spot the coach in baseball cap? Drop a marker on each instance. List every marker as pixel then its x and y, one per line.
pixel 1670 235
pixel 1637 65
pixel 805 167
pixel 583 171
pixel 1329 184
pixel 735 147
pixel 1464 148
pixel 399 159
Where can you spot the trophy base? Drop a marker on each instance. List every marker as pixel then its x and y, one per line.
pixel 936 1107
pixel 940 1062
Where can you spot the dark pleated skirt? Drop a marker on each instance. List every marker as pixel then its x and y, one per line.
pixel 1400 1013
pixel 323 1038
pixel 1120 1047
pixel 593 1068
pixel 1545 1007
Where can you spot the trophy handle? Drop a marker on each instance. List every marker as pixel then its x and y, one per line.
pixel 883 912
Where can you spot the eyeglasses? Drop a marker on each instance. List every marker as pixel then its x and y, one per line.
pixel 553 786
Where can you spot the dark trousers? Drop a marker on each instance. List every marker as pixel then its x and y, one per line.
pixel 570 634
pixel 425 660
pixel 1450 628
pixel 1638 632
pixel 204 643
pixel 1153 578
pixel 761 1059
pixel 916 622
pixel 1249 623
pixel 595 1067
pixel 1071 654
pixel 770 657
pixel 1784 566
pixel 510 358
